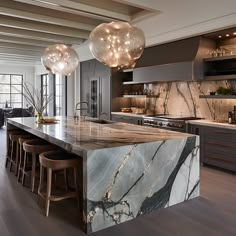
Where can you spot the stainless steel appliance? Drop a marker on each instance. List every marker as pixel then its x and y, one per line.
pixel 174 123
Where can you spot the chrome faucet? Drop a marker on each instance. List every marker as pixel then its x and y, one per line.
pixel 80 108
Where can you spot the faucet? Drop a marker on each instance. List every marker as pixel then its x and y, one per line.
pixel 76 116
pixel 100 114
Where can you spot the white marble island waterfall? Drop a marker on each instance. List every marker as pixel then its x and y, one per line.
pixel 128 170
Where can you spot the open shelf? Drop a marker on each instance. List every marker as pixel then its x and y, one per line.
pixel 133 82
pixel 140 96
pixel 220 58
pixel 218 96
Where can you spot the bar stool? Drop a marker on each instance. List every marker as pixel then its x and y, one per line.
pixel 22 152
pixel 55 161
pixel 14 155
pixel 9 146
pixel 34 147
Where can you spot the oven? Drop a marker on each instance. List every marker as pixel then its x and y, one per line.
pixel 174 123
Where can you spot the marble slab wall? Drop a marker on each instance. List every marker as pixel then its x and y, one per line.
pixel 126 182
pixel 182 98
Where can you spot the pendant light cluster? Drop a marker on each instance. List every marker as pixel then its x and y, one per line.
pixel 60 59
pixel 117 44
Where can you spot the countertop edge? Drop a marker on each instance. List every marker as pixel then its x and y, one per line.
pixel 128 114
pixel 211 123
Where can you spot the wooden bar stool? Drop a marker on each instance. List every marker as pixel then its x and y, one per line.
pixel 22 152
pixel 55 161
pixel 34 147
pixel 9 143
pixel 14 155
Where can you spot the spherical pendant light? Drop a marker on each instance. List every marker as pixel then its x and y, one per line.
pixel 60 59
pixel 117 44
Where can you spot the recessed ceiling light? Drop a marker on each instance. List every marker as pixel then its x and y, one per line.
pixel 234 33
pixel 227 35
pixel 220 36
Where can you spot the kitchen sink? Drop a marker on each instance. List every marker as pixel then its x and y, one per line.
pixel 102 121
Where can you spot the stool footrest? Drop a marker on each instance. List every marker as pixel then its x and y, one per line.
pixel 59 198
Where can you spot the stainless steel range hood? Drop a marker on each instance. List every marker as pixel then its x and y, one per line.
pixel 180 60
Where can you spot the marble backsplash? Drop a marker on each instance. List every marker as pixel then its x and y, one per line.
pixel 182 99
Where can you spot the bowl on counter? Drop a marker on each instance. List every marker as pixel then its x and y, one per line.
pixel 133 109
pixel 140 111
pixel 126 109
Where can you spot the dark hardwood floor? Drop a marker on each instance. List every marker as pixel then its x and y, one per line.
pixel 212 214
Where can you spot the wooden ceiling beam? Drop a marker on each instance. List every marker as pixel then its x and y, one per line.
pixel 26 41
pixel 42 27
pixel 150 5
pixel 28 34
pixel 21 46
pixel 79 9
pixel 45 19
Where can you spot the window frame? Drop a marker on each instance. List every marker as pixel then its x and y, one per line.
pixel 54 92
pixel 10 93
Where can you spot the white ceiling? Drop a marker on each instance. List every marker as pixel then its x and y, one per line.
pixel 28 26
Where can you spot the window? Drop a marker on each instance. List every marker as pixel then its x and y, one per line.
pixel 11 90
pixel 58 95
pixel 56 85
pixel 45 89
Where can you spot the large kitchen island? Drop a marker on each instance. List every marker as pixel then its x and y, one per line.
pixel 127 171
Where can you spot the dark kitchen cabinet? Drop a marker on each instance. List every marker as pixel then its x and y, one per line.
pixel 217 145
pixel 128 119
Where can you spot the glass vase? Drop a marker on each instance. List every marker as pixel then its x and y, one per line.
pixel 39 118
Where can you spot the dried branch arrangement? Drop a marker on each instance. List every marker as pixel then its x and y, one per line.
pixel 35 98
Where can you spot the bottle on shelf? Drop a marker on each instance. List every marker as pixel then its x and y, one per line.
pixel 230 117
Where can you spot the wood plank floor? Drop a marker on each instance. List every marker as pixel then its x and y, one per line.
pixel 212 214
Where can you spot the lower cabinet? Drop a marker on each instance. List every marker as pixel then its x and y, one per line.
pixel 217 145
pixel 128 119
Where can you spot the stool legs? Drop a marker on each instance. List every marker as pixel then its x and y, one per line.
pixel 17 158
pixel 48 194
pixel 66 180
pixel 33 171
pixel 23 170
pixel 20 163
pixel 12 153
pixel 41 175
pixel 76 185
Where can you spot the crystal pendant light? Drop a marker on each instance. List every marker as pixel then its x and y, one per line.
pixel 60 59
pixel 117 44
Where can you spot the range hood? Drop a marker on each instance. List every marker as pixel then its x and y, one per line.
pixel 180 60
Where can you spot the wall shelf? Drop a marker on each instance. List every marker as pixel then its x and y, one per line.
pixel 218 96
pixel 220 58
pixel 133 82
pixel 140 96
pixel 221 77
